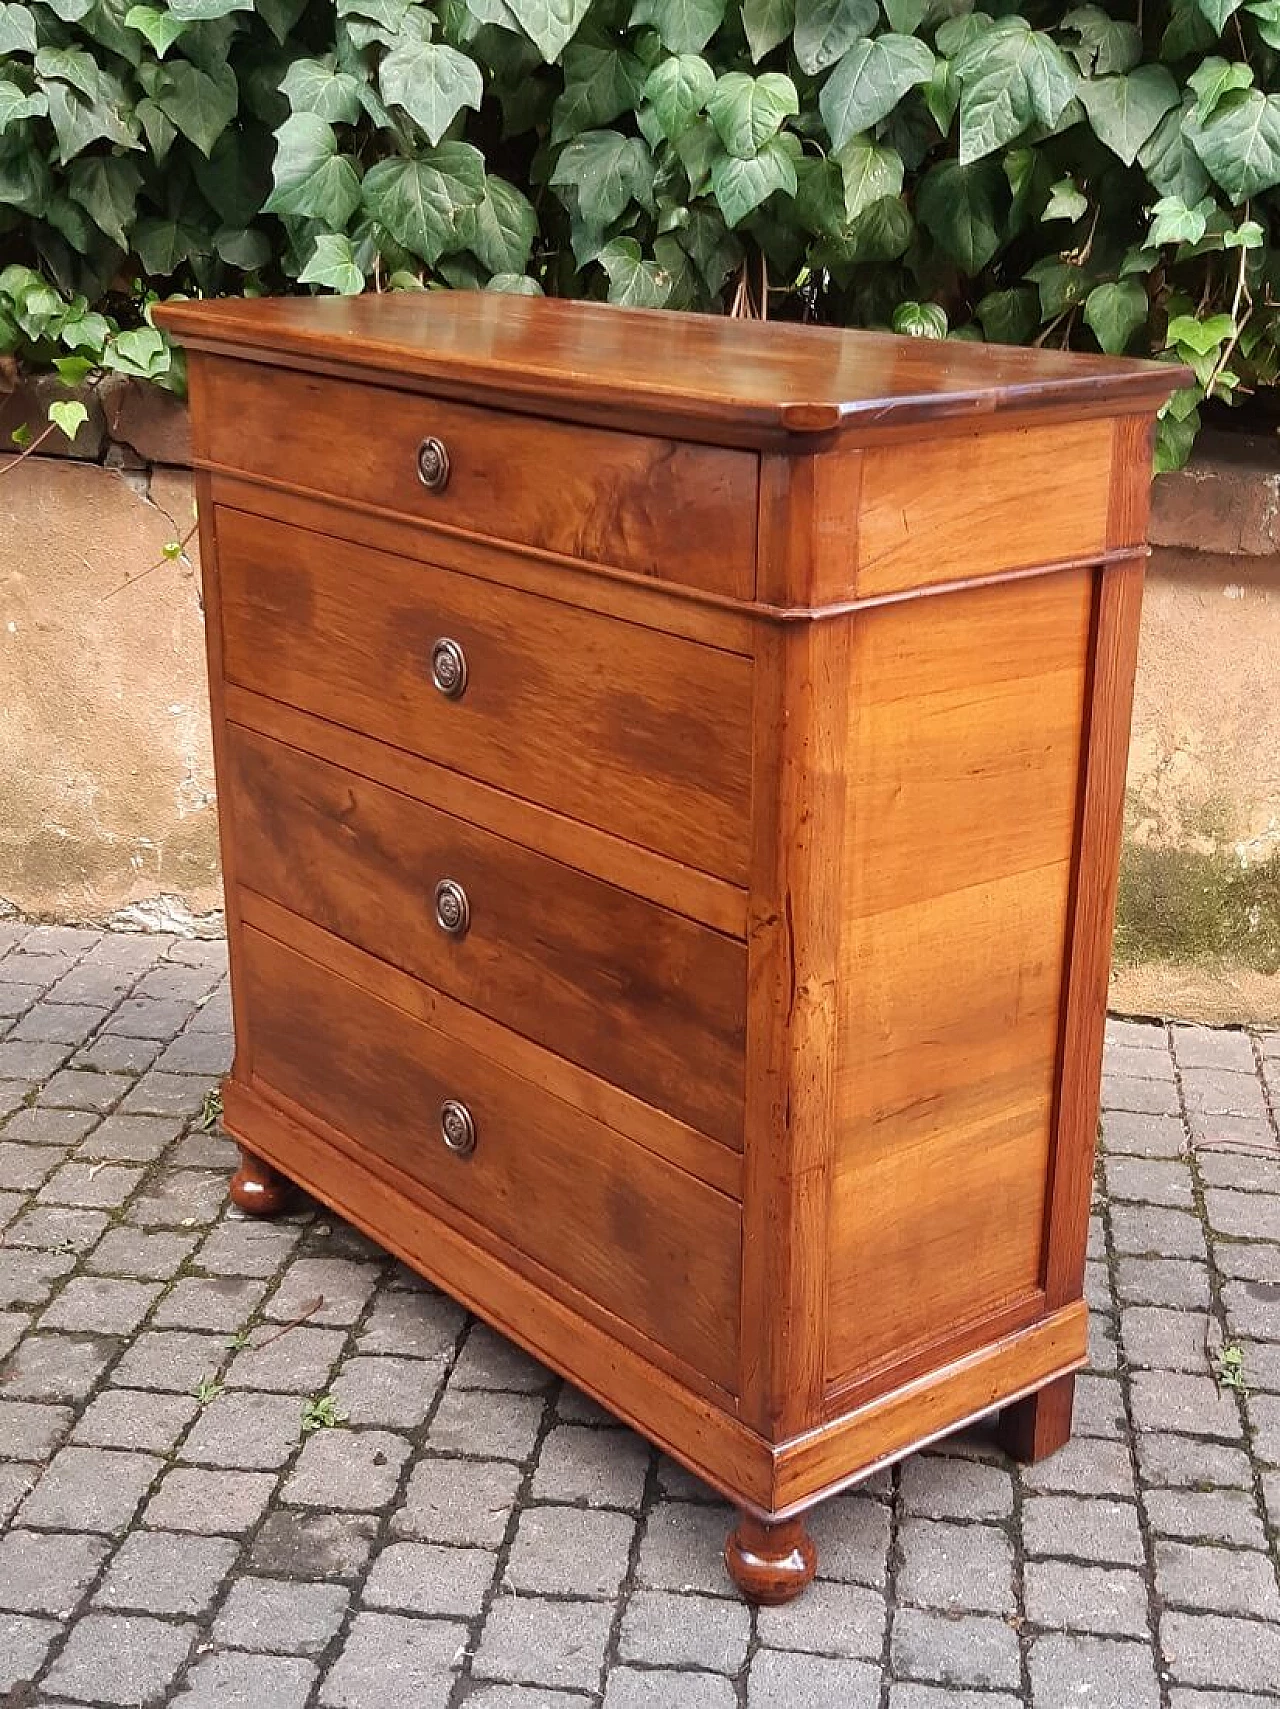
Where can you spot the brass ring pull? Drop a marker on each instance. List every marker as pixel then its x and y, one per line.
pixel 433 465
pixel 457 1127
pixel 449 668
pixel 453 910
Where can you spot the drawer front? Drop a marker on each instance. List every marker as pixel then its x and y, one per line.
pixel 647 1242
pixel 644 998
pixel 638 732
pixel 656 507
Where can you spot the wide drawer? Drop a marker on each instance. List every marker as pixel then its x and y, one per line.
pixel 636 731
pixel 656 507
pixel 644 998
pixel 650 1244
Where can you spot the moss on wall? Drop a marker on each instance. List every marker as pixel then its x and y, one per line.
pixel 1177 905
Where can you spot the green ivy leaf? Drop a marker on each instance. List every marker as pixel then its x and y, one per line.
pixel 68 416
pixel 679 89
pixel 920 320
pixel 604 171
pixel 106 187
pixel 499 230
pixel 1213 80
pixel 16 105
pixel 199 11
pixel 200 104
pixel 432 82
pixel 599 84
pixel 965 207
pixel 1066 202
pixel 767 22
pixel 869 173
pixel 868 83
pixel 515 285
pixel 160 28
pixel 1174 222
pixel 421 202
pixel 312 180
pixel 740 186
pixel 1201 337
pixel 1266 19
pixel 242 247
pixel 1171 163
pixel 281 16
pixel 633 281
pixel 1009 317
pixel 141 352
pixel 77 122
pixel 1106 44
pixel 827 29
pixel 1124 111
pixel 1114 312
pixel 333 264
pixel 1217 12
pixel 906 16
pixel 73 370
pixel 550 24
pixel 317 86
pixel 684 26
pixel 1240 144
pixel 164 245
pixel 17 29
pixel 1010 77
pixel 746 111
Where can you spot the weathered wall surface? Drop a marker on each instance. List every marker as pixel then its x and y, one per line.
pixel 106 779
pixel 1199 917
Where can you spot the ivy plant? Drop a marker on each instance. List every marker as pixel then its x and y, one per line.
pixel 1104 177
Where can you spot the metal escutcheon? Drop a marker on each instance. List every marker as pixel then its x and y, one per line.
pixel 457 1127
pixel 433 465
pixel 453 910
pixel 449 668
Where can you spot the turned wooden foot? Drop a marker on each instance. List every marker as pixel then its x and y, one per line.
pixel 257 1188
pixel 1038 1426
pixel 770 1563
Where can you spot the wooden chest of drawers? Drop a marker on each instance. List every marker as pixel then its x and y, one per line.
pixel 670 776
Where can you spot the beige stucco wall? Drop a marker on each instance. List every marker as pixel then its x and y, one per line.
pixel 106 780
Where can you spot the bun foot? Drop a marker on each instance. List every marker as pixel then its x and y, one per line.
pixel 257 1188
pixel 1038 1426
pixel 770 1563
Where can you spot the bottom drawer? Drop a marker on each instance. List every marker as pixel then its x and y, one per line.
pixel 654 1246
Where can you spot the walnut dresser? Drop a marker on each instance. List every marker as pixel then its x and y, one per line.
pixel 670 774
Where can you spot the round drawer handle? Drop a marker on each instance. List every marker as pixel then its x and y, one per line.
pixel 449 668
pixel 453 910
pixel 433 465
pixel 457 1127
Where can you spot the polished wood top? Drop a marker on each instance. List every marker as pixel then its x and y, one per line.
pixel 593 361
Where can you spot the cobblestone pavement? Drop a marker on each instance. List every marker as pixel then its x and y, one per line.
pixel 478 1533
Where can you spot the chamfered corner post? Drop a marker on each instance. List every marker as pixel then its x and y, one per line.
pixel 770 1561
pixel 257 1188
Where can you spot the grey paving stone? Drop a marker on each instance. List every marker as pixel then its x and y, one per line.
pixel 129 1139
pixel 106 1305
pixel 26 1061
pixel 418 1325
pixel 954 1567
pixel 525 1697
pixel 357 1470
pixel 47 1572
pixel 252 1432
pixel 780 1679
pixel 496 1426
pixel 49 1127
pixel 1179 1699
pixel 91 1489
pixel 1248 1261
pixel 24 1643
pixel 159 1094
pixel 205 1150
pixel 192 1499
pixel 58 1023
pixel 297 1361
pixel 631 1688
pixel 829 1619
pixel 397 1393
pixel 25 1167
pixel 197 1053
pixel 269 1614
pixel 120 1658
pixel 1244 1216
pixel 541 1642
pixel 1096 1531
pixel 851 1533
pixel 390 1660
pixel 1218 1091
pixel 149 1017
pixel 1264 1421
pixel 1214 1650
pixel 160 1572
pixel 91 1186
pixel 235 1681
pixel 74 1089
pixel 457 1501
pixel 1105 1673
pixel 955 1650
pixel 170 1359
pixel 1139 1095
pixel 180 1198
pixel 1146 1060
pixel 1163 1281
pixel 489 1361
pixel 1151 1231
pixel 940 1487
pixel 686 1631
pixel 1167 1400
pixel 1099 1408
pixel 28 1278
pixel 135 1418
pixel 57 1228
pixel 1211 1130
pixel 1147 1180
pixel 10 1205
pixel 1242 1171
pixel 1104 1600
pixel 1220 1581
pixel 56 1367
pixel 31 1431
pixel 1085 1466
pixel 603 1468
pixel 129 1252
pixel 569 1551
pixel 96 983
pixel 342 1288
pixel 15 1480
pixel 1189 1462
pixel 1216 1516
pixel 207 1302
pixel 29 966
pixel 681 1548
pixel 297 1543
pixel 1159 1337
pixel 425 1578
pixel 13 1326
pixel 911 1696
pixel 109 1053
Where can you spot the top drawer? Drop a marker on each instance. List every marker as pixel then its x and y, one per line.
pixel 657 507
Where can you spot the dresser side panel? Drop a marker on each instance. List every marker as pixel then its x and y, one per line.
pixel 965 763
